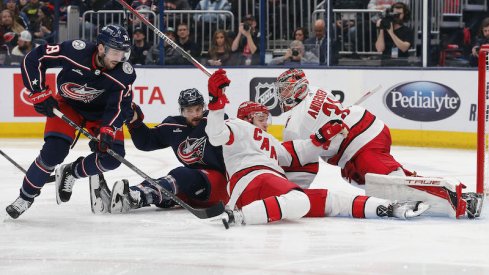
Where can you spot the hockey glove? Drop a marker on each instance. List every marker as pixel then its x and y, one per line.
pixel 105 140
pixel 328 131
pixel 136 117
pixel 217 82
pixel 44 102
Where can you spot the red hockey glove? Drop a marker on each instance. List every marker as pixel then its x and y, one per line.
pixel 105 140
pixel 217 82
pixel 44 102
pixel 135 117
pixel 328 131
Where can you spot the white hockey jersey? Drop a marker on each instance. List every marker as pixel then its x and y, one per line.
pixel 245 145
pixel 319 107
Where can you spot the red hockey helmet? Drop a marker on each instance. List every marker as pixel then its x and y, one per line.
pixel 292 87
pixel 249 109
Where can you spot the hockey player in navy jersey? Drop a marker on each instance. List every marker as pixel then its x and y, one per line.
pixel 94 90
pixel 200 182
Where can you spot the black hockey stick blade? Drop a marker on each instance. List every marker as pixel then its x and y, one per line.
pixel 50 179
pixel 210 212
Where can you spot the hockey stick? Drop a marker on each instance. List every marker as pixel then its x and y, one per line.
pixel 50 179
pixel 204 213
pixel 367 95
pixel 143 19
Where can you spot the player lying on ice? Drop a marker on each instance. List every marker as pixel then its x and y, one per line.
pixel 259 191
pixel 200 182
pixel 366 149
pixel 94 89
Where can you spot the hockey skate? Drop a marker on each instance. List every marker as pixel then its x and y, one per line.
pixel 123 199
pixel 18 207
pixel 230 217
pixel 99 194
pixel 407 209
pixel 474 204
pixel 65 181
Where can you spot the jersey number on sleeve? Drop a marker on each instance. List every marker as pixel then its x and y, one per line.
pixel 50 49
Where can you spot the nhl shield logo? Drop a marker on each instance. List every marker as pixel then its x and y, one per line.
pixel 262 90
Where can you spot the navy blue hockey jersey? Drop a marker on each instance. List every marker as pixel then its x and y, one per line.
pixel 96 94
pixel 190 144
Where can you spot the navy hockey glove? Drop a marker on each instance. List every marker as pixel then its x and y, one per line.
pixel 217 82
pixel 44 102
pixel 136 117
pixel 106 139
pixel 328 131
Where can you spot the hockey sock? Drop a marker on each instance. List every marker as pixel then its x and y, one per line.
pixel 339 204
pixel 293 205
pixel 34 179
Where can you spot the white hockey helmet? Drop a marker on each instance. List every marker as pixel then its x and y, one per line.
pixel 292 87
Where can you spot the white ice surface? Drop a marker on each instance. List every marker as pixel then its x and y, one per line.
pixel 69 239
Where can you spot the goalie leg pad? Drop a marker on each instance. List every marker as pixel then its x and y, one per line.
pixel 444 195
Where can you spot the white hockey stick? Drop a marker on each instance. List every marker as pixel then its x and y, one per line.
pixel 367 95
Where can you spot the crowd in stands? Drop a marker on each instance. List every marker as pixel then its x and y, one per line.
pixel 25 24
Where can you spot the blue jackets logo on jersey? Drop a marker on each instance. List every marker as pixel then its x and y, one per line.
pixel 192 150
pixel 79 93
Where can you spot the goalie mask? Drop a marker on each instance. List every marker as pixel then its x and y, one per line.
pixel 116 42
pixel 292 88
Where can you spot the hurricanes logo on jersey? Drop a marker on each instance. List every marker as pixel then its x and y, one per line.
pixel 192 150
pixel 79 93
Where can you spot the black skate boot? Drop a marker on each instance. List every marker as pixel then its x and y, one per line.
pixel 99 194
pixel 474 204
pixel 65 180
pixel 123 199
pixel 18 207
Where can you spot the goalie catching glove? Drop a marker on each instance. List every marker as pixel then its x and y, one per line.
pixel 328 131
pixel 44 102
pixel 217 82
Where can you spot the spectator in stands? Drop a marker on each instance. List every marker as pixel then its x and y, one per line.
pixel 300 34
pixel 348 23
pixel 295 55
pixel 43 27
pixel 24 46
pixel 318 43
pixel 482 38
pixel 9 29
pixel 395 39
pixel 184 41
pixel 30 10
pixel 212 5
pixel 172 5
pixel 149 5
pixel 21 18
pixel 140 47
pixel 220 51
pixel 245 44
pixel 172 57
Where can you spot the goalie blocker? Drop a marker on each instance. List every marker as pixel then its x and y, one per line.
pixel 443 194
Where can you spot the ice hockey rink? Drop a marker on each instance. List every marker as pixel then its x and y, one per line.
pixel 69 239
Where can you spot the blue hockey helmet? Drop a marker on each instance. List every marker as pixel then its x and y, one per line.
pixel 115 37
pixel 190 97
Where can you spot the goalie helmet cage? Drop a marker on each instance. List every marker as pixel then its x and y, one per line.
pixel 482 117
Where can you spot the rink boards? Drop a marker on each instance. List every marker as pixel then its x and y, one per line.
pixel 434 108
